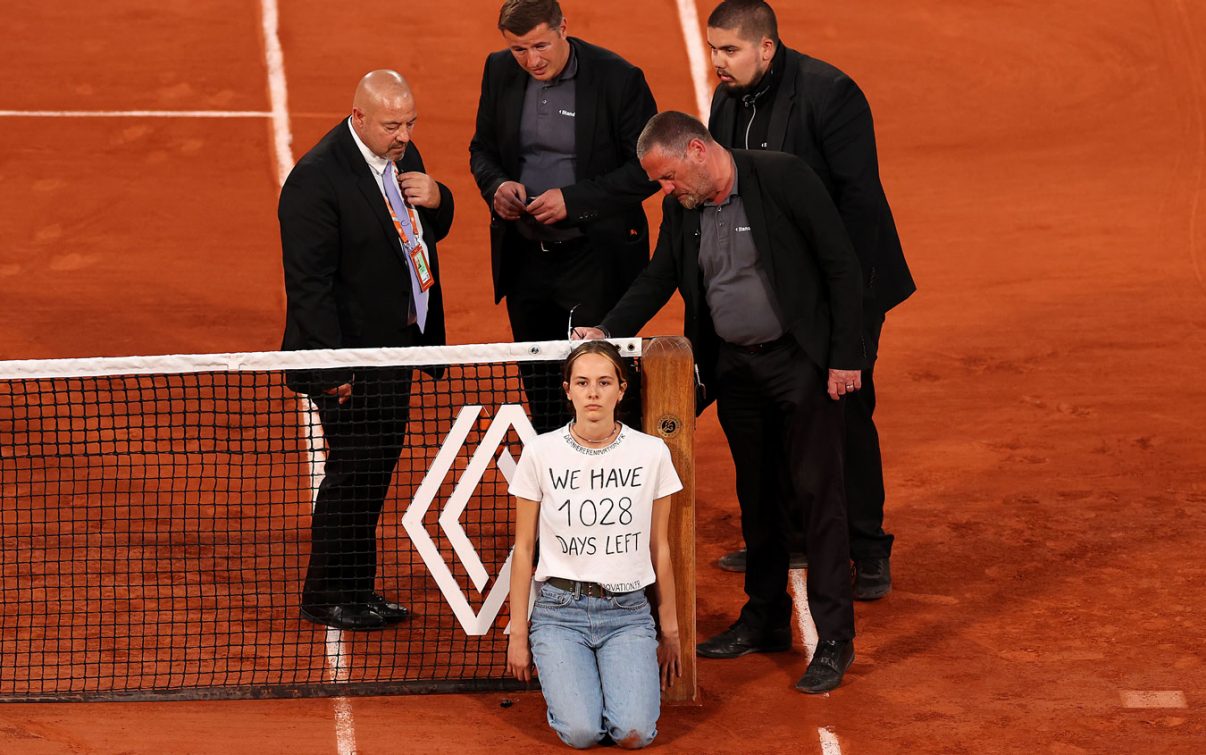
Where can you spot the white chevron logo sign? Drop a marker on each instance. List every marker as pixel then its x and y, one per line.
pixel 508 416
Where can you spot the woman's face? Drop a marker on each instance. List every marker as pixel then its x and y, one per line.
pixel 594 388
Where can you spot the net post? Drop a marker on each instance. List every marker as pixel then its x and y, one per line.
pixel 668 411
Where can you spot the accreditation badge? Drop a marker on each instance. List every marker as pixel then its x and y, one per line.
pixel 418 260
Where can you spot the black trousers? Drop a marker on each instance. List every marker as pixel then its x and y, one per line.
pixel 864 464
pixel 785 434
pixel 543 287
pixel 364 437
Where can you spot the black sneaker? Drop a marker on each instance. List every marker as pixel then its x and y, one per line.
pixel 353 616
pixel 742 639
pixel 872 578
pixel 391 612
pixel 828 666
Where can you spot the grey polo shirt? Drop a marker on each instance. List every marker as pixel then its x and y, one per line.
pixel 738 291
pixel 547 146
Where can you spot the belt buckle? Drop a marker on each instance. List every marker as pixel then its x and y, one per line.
pixel 543 248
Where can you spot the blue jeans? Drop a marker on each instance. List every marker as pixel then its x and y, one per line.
pixel 597 659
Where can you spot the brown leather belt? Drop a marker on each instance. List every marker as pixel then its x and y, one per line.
pixel 589 589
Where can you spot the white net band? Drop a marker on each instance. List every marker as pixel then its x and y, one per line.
pixel 266 361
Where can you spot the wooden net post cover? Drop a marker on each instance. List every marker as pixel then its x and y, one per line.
pixel 668 409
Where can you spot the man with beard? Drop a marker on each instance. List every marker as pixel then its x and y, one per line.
pixel 774 98
pixel 772 298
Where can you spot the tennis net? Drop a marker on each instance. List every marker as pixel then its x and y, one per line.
pixel 159 529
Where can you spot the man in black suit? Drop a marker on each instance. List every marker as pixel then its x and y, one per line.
pixel 359 224
pixel 554 156
pixel 772 97
pixel 772 297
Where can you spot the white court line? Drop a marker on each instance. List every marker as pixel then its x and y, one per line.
pixel 808 630
pixel 829 742
pixel 134 114
pixel 277 91
pixel 345 727
pixel 282 142
pixel 336 651
pixel 689 20
pixel 1173 698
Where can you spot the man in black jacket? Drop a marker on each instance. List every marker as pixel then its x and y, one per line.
pixel 772 97
pixel 772 304
pixel 554 156
pixel 359 224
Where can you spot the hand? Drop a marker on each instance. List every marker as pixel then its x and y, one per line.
pixel 519 658
pixel 510 199
pixel 419 189
pixel 669 658
pixel 842 382
pixel 549 207
pixel 344 392
pixel 587 334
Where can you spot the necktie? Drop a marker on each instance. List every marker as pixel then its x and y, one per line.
pixel 389 182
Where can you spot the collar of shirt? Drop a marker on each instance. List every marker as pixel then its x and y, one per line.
pixel 375 162
pixel 732 192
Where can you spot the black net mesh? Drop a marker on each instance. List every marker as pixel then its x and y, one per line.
pixel 198 534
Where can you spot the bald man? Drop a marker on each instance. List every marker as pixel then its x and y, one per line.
pixel 359 220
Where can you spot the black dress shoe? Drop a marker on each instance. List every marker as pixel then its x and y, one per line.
pixel 354 616
pixel 742 639
pixel 828 666
pixel 872 578
pixel 735 561
pixel 388 610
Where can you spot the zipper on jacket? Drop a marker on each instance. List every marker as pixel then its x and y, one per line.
pixel 750 125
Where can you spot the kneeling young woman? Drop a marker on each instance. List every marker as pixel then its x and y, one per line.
pixel 596 493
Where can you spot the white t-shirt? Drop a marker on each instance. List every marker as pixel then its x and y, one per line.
pixel 596 505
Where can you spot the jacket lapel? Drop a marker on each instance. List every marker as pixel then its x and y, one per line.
pixel 585 107
pixel 690 262
pixel 366 184
pixel 511 113
pixel 724 120
pixel 785 100
pixel 755 210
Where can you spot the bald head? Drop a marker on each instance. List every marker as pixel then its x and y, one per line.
pixel 377 87
pixel 383 113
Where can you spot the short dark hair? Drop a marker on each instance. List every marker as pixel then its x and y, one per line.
pixel 605 349
pixel 753 19
pixel 672 131
pixel 521 16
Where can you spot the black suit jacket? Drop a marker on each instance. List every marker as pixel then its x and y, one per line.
pixel 821 116
pixel 802 246
pixel 613 103
pixel 347 283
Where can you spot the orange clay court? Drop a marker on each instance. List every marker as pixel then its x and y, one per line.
pixel 1041 399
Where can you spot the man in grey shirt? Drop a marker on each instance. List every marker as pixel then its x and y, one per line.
pixel 554 156
pixel 772 298
pixel 546 148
